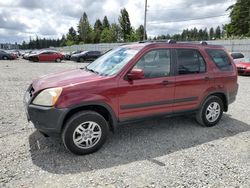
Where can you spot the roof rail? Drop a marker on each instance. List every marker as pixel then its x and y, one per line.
pixel 171 41
pixel 203 43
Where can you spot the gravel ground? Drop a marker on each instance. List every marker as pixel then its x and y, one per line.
pixel 173 152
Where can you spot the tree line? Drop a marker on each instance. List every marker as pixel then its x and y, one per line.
pixel 194 35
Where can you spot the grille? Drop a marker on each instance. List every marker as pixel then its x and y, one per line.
pixel 31 91
pixel 241 68
pixel 29 94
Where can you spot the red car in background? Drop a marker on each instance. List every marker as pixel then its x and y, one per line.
pixel 243 66
pixel 47 56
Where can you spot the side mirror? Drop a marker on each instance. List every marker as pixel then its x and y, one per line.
pixel 136 74
pixel 237 55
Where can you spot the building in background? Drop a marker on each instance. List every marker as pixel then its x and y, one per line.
pixel 8 46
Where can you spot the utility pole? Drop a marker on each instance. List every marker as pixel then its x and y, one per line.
pixel 145 19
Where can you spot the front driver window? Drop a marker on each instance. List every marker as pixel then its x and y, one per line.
pixel 155 63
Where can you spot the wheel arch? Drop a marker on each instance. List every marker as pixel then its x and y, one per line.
pixel 221 95
pixel 101 108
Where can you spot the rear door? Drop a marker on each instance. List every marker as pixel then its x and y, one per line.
pixel 192 79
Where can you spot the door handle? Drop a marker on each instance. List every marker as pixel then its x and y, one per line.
pixel 207 78
pixel 165 82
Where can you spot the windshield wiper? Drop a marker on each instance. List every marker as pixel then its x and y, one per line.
pixel 91 70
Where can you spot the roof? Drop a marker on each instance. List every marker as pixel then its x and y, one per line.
pixel 149 43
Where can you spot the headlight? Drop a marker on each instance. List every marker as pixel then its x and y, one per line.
pixel 48 97
pixel 248 68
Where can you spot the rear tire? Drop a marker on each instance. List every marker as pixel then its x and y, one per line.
pixel 85 132
pixel 211 111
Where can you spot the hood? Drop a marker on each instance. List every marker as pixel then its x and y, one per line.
pixel 242 64
pixel 65 78
pixel 79 54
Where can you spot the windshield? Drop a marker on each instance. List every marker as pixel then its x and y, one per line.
pixel 84 52
pixel 112 62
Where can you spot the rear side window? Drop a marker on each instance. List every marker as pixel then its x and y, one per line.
pixel 190 61
pixel 220 59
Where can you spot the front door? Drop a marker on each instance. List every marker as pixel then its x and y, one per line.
pixel 44 56
pixel 152 94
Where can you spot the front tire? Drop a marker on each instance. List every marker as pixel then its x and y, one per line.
pixel 85 132
pixel 211 111
pixel 5 58
pixel 58 60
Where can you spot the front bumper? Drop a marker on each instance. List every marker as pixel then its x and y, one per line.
pixel 48 120
pixel 244 71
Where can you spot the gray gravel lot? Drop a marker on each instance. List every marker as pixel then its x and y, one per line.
pixel 173 152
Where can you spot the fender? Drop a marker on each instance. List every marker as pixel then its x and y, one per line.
pixel 221 92
pixel 85 105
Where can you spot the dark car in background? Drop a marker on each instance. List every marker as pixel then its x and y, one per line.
pixel 68 55
pixel 47 56
pixel 86 56
pixel 6 55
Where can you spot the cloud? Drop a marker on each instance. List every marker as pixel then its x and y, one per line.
pixel 10 23
pixel 46 18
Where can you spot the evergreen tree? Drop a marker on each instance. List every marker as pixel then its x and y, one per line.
pixel 116 32
pixel 218 33
pixel 105 23
pixel 63 41
pixel 84 29
pixel 71 36
pixel 211 33
pixel 240 19
pixel 125 25
pixel 97 31
pixel 106 36
pixel 205 34
pixel 140 32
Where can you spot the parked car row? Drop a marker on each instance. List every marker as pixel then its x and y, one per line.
pixel 55 56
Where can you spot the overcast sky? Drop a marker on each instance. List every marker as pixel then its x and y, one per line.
pixel 20 19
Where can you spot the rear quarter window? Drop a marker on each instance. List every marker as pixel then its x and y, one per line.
pixel 220 59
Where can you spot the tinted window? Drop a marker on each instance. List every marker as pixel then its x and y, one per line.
pixel 190 62
pixel 155 63
pixel 48 52
pixel 220 58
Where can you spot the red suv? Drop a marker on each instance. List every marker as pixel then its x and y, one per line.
pixel 132 82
